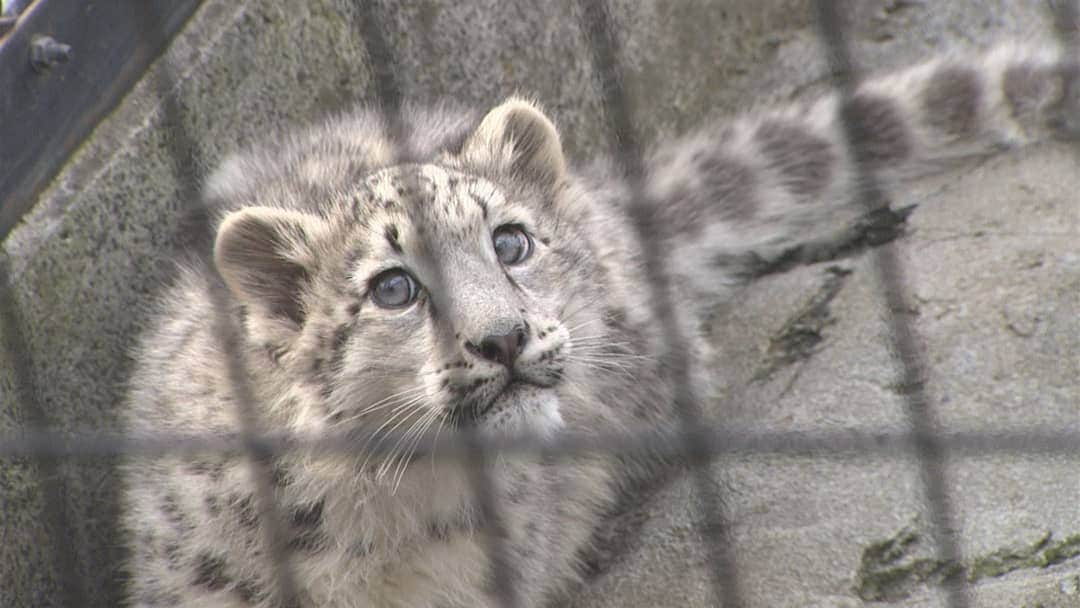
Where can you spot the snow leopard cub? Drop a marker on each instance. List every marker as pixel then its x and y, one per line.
pixel 470 279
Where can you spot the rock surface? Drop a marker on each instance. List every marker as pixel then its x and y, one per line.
pixel 992 260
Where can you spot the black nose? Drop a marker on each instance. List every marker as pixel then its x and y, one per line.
pixel 503 349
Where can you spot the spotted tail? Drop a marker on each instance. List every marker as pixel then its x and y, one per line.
pixel 782 187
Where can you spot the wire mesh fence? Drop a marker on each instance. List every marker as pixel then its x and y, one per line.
pixel 694 441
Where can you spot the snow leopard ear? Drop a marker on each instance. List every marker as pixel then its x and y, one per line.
pixel 266 257
pixel 517 134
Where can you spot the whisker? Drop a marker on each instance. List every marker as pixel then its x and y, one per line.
pixel 602 342
pixel 407 391
pixel 608 354
pixel 606 366
pixel 570 330
pixel 390 401
pixel 422 428
pixel 581 306
pixel 435 441
pixel 397 414
pixel 385 466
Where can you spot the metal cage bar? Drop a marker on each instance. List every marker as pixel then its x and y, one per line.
pixel 930 452
pixel 388 93
pixel 46 113
pixel 185 155
pixel 824 445
pixel 626 150
pixel 51 479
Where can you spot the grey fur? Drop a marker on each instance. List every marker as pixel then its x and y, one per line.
pixel 952 101
pixel 306 223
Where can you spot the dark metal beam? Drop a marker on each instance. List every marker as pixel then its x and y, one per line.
pixel 46 112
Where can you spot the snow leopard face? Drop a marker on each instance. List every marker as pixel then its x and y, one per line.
pixel 460 294
pixel 447 294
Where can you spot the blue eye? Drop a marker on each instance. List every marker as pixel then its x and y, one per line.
pixel 394 288
pixel 512 244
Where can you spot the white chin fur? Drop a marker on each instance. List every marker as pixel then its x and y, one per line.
pixel 526 409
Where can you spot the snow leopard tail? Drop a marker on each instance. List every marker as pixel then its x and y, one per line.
pixel 782 187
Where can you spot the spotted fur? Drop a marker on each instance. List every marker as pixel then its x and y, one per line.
pixel 308 225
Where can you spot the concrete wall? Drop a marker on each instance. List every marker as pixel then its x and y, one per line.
pixel 992 256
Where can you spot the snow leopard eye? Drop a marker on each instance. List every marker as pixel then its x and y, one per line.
pixel 394 288
pixel 512 244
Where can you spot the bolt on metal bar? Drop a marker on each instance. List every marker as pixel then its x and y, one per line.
pixel 625 147
pixel 47 52
pixel 51 479
pixel 504 572
pixel 184 153
pixel 929 449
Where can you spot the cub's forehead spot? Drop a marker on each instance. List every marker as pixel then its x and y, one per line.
pixel 485 190
pixel 431 192
pixel 404 210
